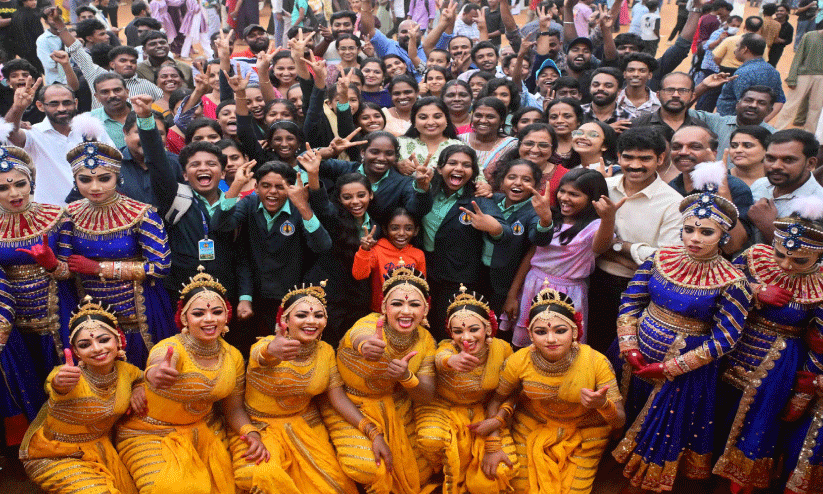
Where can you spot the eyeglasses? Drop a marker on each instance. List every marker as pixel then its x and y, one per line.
pixel 591 134
pixel 545 146
pixel 678 90
pixel 57 104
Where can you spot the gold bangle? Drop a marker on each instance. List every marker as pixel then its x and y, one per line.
pixel 506 408
pixel 360 346
pixel 608 410
pixel 361 426
pixel 146 372
pixel 410 382
pixel 492 445
pixel 374 432
pixel 501 420
pixel 248 429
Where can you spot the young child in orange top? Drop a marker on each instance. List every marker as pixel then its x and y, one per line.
pixel 375 258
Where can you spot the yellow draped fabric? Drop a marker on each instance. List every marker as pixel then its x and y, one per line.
pixel 386 404
pixel 278 399
pixel 68 448
pixel 559 442
pixel 442 426
pixel 180 445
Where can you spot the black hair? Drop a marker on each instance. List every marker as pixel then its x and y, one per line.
pixel 760 134
pixel 437 183
pixel 807 139
pixel 754 43
pixel 436 68
pixel 629 39
pixel 343 13
pixel 288 173
pixel 149 22
pixel 612 72
pixel 641 57
pixel 193 148
pixel 86 28
pixel 496 105
pixel 553 307
pixel 441 50
pixel 108 76
pixel 290 127
pixel 372 106
pixel 503 168
pixel 497 82
pixel 449 131
pixel 100 54
pixel 734 18
pixel 331 93
pixel 482 74
pixel 652 5
pixel 19 64
pixel 399 211
pixel 642 139
pixel 535 127
pixel 564 82
pixel 347 235
pixel 224 144
pixel 769 8
pixel 131 120
pixel 295 30
pixel 288 104
pixel 468 7
pixel 722 5
pixel 177 96
pixel 457 82
pixel 106 318
pixel 404 78
pixel 342 36
pixel 286 54
pixel 589 182
pixel 41 93
pixel 516 116
pixel 481 45
pixel 350 70
pixel 753 24
pixel 176 69
pixel 83 8
pixel 199 123
pixel 138 7
pixel 576 107
pixel 471 43
pixel 763 90
pixel 150 35
pixel 609 139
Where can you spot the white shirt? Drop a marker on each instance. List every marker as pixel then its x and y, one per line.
pixel 648 220
pixel 647 24
pixel 468 30
pixel 48 149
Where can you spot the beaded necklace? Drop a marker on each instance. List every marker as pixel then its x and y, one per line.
pixel 553 369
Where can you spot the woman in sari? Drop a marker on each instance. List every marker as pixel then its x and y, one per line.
pixel 683 310
pixel 568 406
pixel 180 445
pixel 68 447
pixel 468 372
pixel 286 371
pixel 387 365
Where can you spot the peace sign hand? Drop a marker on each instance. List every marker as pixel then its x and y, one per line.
pixel 542 205
pixel 222 44
pixel 423 174
pixel 482 221
pixel 24 96
pixel 606 209
pixel 338 145
pixel 604 170
pixel 368 241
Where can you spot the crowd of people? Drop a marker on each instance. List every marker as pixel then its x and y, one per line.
pixel 456 252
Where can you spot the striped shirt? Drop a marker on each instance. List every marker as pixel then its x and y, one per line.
pixel 91 71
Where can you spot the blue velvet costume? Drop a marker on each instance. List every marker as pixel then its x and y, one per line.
pixel 20 390
pixel 759 373
pixel 131 234
pixel 42 301
pixel 804 452
pixel 686 314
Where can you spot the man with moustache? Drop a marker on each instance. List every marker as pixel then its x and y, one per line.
pixel 791 156
pixel 605 86
pixel 579 64
pixel 156 53
pixel 340 22
pixel 110 90
pixel 674 94
pixel 48 142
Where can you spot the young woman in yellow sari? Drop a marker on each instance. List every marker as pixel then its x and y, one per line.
pixel 387 364
pixel 285 372
pixel 468 372
pixel 568 405
pixel 180 445
pixel 68 447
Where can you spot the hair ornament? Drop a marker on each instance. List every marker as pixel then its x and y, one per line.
pixel 11 156
pixel 403 274
pixel 802 230
pixel 202 280
pixel 470 304
pixel 707 204
pixel 93 315
pixel 550 303
pixel 311 293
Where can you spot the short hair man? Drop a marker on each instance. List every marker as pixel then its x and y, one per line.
pixel 156 54
pixel 754 71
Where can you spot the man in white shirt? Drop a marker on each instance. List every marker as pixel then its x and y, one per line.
pixel 466 23
pixel 48 141
pixel 647 219
pixel 791 156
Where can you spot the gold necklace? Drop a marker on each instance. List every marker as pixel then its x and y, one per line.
pixel 200 349
pixel 399 341
pixel 100 381
pixel 306 351
pixel 553 369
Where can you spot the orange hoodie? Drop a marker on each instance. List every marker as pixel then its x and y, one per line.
pixel 381 259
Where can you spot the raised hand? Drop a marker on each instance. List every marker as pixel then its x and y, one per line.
pixel 68 376
pixel 24 96
pixel 256 452
pixel 463 361
pixel 606 19
pixel 482 221
pixel 399 367
pixel 593 399
pixel 405 166
pixel 282 347
pixel 164 374
pixel 635 359
pixel 319 68
pixel 483 189
pixel 773 295
pixel 244 173
pixel 423 174
pixel 298 193
pixel 201 84
pixel 42 254
pixel 544 17
pixel 244 310
pixel 542 205
pixel 222 44
pixel 310 161
pixel 368 241
pixel 54 18
pixel 340 144
pixel 718 79
pixel 373 347
pixel 237 82
pixel 264 59
pixel 83 265
pixel 604 170
pixel 141 104
pixel 60 57
pixel 606 209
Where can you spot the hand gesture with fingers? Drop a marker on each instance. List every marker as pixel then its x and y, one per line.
pixel 242 176
pixel 593 399
pixel 423 174
pixel 201 84
pixel 463 361
pixel 606 20
pixel 406 166
pixel 373 347
pixel 319 68
pixel 141 104
pixel 282 347
pixel 297 45
pixel 718 79
pixel 60 57
pixel 68 376
pixel 635 359
pixel 237 82
pixel 773 295
pixel 368 241
pixel 310 161
pixel 399 368
pixel 164 374
pixel 223 44
pixel 482 221
pixel 339 145
pixel 525 48
pixel 343 82
pixel 605 208
pixel 604 170
pixel 542 205
pixel 298 193
pixel 42 254
pixel 544 17
pixel 24 96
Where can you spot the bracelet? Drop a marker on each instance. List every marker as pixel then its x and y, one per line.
pixel 410 382
pixel 492 444
pixel 568 22
pixel 374 432
pixel 506 408
pixel 501 420
pixel 361 426
pixel 146 372
pixel 248 429
pixel 360 346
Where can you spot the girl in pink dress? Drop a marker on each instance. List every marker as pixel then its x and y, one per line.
pixel 584 228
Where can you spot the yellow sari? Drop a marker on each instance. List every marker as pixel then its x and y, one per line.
pixel 279 402
pixel 180 445
pixel 442 427
pixel 386 404
pixel 68 448
pixel 559 442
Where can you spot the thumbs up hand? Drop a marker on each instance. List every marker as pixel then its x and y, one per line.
pixel 68 376
pixel 282 347
pixel 399 368
pixel 164 374
pixel 373 347
pixel 593 399
pixel 463 361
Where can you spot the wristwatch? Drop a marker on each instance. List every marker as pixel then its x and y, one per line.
pixel 617 246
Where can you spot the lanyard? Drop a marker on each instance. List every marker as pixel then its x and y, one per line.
pixel 203 217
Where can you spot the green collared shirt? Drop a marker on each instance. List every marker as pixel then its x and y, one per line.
pixel 226 203
pixel 441 205
pixel 488 246
pixel 210 208
pixel 375 185
pixel 366 224
pixel 113 128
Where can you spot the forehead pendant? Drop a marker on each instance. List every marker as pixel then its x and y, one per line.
pixel 9 180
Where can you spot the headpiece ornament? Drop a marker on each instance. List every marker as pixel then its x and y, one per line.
pixel 204 285
pixel 470 304
pixel 311 293
pixel 91 153
pixel 404 275
pixel 549 303
pixel 11 156
pixel 93 315
pixel 707 204
pixel 801 231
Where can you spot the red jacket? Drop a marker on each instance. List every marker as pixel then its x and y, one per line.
pixel 381 259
